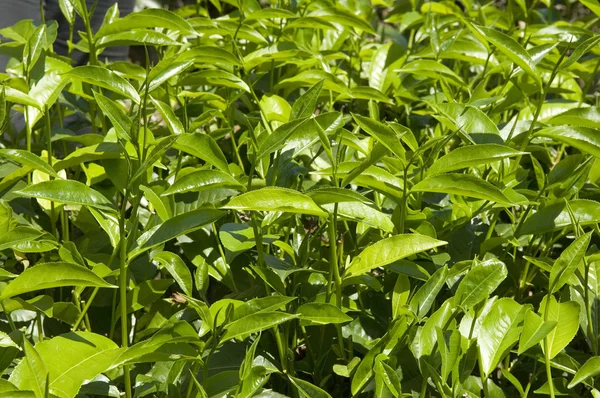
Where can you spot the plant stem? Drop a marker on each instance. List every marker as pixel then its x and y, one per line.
pixel 123 290
pixel 547 350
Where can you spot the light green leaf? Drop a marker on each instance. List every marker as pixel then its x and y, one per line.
pixel 512 49
pixel 71 359
pixel 479 283
pixel 535 329
pixel 582 138
pixel 382 133
pixel 204 147
pixel 591 368
pixel 568 261
pixel 177 226
pixel 308 390
pixel 321 314
pixel 400 295
pixel 102 77
pixel 173 123
pixel 421 302
pixel 463 185
pixel 499 331
pixel 388 250
pixel 275 199
pixel 203 180
pixel 555 216
pixel 177 268
pixel 37 369
pixel 306 104
pixel 67 192
pixel 28 159
pixel 566 316
pixel 51 275
pixel 328 195
pixel 149 18
pixel 470 156
pixel 255 323
pixel 361 212
pixel 116 115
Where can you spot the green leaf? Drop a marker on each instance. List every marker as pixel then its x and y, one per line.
pixel 585 46
pixel 308 390
pixel 566 316
pixel 71 359
pixel 513 50
pixel 535 329
pixel 432 69
pixel 67 192
pixel 499 331
pixel 164 70
pixel 555 216
pixel 277 140
pixel 388 250
pixel 321 314
pixel 382 133
pixel 18 235
pixel 479 283
pixel 136 38
pixel 203 180
pixel 275 199
pixel 470 156
pixel 342 17
pixel 400 295
pixel 449 342
pixel 28 159
pixel 169 117
pixel 591 368
pixel 306 104
pixel 568 261
pixel 463 185
pixel 177 268
pixel 37 369
pixel 361 212
pixel 102 77
pixel 255 323
pixel 204 147
pixel 217 78
pixel 51 275
pixel 157 152
pixel 584 117
pixel 421 302
pixel 116 115
pixel 328 195
pixel 583 138
pixel 177 226
pixel 149 18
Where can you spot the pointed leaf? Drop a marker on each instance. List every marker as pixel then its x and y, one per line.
pixel 275 199
pixel 388 250
pixel 102 77
pixel 463 185
pixel 321 314
pixel 51 275
pixel 568 261
pixel 470 156
pixel 67 192
pixel 566 316
pixel 535 329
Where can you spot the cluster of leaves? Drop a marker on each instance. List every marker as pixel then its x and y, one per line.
pixel 314 199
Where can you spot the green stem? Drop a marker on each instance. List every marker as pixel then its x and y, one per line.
pixel 123 290
pixel 547 351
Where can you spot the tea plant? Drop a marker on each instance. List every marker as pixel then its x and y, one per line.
pixel 304 199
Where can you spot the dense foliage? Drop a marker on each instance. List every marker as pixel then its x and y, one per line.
pixel 304 199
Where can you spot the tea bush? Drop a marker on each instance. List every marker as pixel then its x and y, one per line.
pixel 304 199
